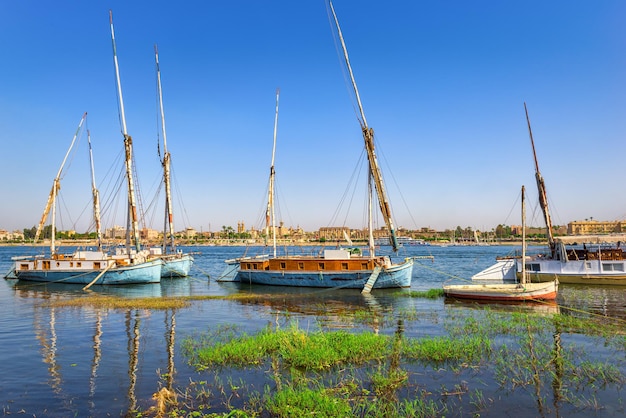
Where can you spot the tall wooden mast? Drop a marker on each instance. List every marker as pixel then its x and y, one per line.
pixel 523 279
pixel 96 196
pixel 270 215
pixel 56 185
pixel 541 188
pixel 368 137
pixel 168 230
pixel 128 147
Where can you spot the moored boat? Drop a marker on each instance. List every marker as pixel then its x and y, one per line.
pixel 522 291
pixel 503 291
pixel 128 265
pixel 175 262
pixel 596 259
pixel 336 268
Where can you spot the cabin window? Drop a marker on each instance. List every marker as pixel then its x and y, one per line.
pixel 255 266
pixel 23 266
pixel 320 266
pixel 79 264
pixel 344 266
pixel 363 266
pixel 533 267
pixel 283 265
pixel 587 265
pixel 613 266
pixel 71 264
pixel 58 264
pixel 45 264
pixel 247 266
pixel 300 266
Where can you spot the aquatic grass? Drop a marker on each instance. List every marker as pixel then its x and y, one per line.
pixel 468 349
pixel 386 385
pixel 428 294
pixel 243 350
pixel 339 373
pixel 111 302
pixel 599 374
pixel 292 402
pixel 295 348
pixel 418 407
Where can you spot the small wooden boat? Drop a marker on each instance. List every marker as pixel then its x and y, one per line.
pixel 522 291
pixel 504 291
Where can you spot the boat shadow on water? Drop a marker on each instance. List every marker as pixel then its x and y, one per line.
pixel 327 305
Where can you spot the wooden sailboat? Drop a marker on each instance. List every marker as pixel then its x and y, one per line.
pixel 83 266
pixel 176 263
pixel 601 260
pixel 522 291
pixel 130 265
pixel 335 268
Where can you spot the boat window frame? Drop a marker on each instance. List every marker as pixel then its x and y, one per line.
pixel 608 266
pixel 533 267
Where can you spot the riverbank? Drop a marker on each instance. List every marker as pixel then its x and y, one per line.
pixel 258 243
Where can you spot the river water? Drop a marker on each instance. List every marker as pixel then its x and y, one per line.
pixel 88 361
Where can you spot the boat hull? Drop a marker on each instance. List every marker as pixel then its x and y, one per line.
pixel 503 292
pixel 503 270
pixel 147 272
pixel 601 272
pixel 394 276
pixel 176 266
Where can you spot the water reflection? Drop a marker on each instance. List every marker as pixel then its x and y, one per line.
pixel 115 337
pixel 133 323
pixel 97 355
pixel 47 336
pixel 609 301
pixel 331 308
pixel 56 290
pixel 536 307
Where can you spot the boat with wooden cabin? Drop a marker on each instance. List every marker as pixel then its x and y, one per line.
pixel 333 268
pixel 596 259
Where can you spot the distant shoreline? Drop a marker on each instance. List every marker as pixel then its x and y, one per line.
pixel 225 243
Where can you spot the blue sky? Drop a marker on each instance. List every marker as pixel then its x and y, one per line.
pixel 443 84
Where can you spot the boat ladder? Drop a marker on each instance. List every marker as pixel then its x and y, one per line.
pixel 370 282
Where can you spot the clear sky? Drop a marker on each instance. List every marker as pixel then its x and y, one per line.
pixel 443 84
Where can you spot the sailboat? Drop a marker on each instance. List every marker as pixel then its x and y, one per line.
pixel 511 292
pixel 599 261
pixel 334 268
pixel 83 266
pixel 176 263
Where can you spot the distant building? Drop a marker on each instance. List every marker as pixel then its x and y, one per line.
pixel 334 233
pixel 149 234
pixel 535 230
pixel 115 232
pixel 11 236
pixel 595 227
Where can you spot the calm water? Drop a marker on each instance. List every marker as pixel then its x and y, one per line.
pixel 96 362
